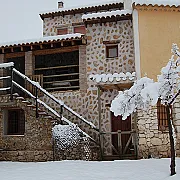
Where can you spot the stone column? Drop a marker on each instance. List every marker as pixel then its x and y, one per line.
pixel 1 70
pixel 82 68
pixel 176 123
pixel 29 63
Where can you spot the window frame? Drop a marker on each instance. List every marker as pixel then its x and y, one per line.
pixel 19 122
pixel 62 28
pixel 79 25
pixel 111 46
pixel 162 116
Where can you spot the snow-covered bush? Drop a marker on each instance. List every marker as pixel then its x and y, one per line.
pixel 66 136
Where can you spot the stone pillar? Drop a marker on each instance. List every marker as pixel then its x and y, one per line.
pixel 1 70
pixel 176 123
pixel 29 63
pixel 82 68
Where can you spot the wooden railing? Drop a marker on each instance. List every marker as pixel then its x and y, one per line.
pixel 30 87
pixel 121 150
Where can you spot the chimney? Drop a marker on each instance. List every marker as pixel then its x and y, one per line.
pixel 60 4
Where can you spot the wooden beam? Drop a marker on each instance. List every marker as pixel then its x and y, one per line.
pixel 14 55
pixel 56 67
pixel 57 50
pixel 72 43
pixel 22 48
pixel 61 75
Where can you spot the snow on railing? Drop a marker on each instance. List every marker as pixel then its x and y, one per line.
pixel 4 89
pixel 52 110
pixel 6 65
pixel 36 84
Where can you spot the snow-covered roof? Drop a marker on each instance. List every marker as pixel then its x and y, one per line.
pixel 86 6
pixel 43 40
pixel 116 77
pixel 170 3
pixel 107 14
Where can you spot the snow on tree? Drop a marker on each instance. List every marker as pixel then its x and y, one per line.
pixel 145 93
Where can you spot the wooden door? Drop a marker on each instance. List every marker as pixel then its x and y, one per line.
pixel 118 124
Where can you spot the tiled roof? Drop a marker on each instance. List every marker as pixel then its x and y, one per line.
pixel 116 77
pixel 43 40
pixel 106 14
pixel 170 3
pixel 86 8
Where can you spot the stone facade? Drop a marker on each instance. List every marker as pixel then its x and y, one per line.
pixel 50 25
pixel 152 142
pixel 34 145
pixel 85 101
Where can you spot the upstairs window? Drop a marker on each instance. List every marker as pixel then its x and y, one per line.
pixel 162 116
pixel 80 29
pixel 62 31
pixel 111 51
pixel 14 122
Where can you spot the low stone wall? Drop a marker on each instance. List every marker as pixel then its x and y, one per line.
pixel 85 150
pixel 26 156
pixel 152 142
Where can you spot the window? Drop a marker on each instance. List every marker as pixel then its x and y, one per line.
pixel 162 116
pixel 14 122
pixel 62 31
pixel 80 29
pixel 60 70
pixel 111 51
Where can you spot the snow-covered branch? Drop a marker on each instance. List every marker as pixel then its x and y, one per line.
pixel 145 92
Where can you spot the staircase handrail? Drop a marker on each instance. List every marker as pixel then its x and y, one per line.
pixel 61 103
pixel 52 110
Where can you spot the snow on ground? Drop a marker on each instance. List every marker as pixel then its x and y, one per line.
pixel 149 169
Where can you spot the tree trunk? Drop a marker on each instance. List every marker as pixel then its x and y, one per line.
pixel 172 166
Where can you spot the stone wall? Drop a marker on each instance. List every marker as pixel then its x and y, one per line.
pixel 122 32
pixel 50 25
pixel 84 150
pixel 85 101
pixel 34 145
pixel 176 123
pixel 152 142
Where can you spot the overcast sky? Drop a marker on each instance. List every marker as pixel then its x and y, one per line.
pixel 20 18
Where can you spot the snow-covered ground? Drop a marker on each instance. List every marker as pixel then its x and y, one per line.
pixel 149 169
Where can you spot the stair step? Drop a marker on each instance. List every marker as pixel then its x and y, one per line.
pixel 20 98
pixel 48 117
pixel 31 105
pixel 16 94
pixel 42 113
pixel 27 102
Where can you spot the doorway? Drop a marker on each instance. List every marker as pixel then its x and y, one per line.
pixel 117 124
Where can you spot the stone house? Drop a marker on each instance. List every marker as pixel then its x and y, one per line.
pixel 86 56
